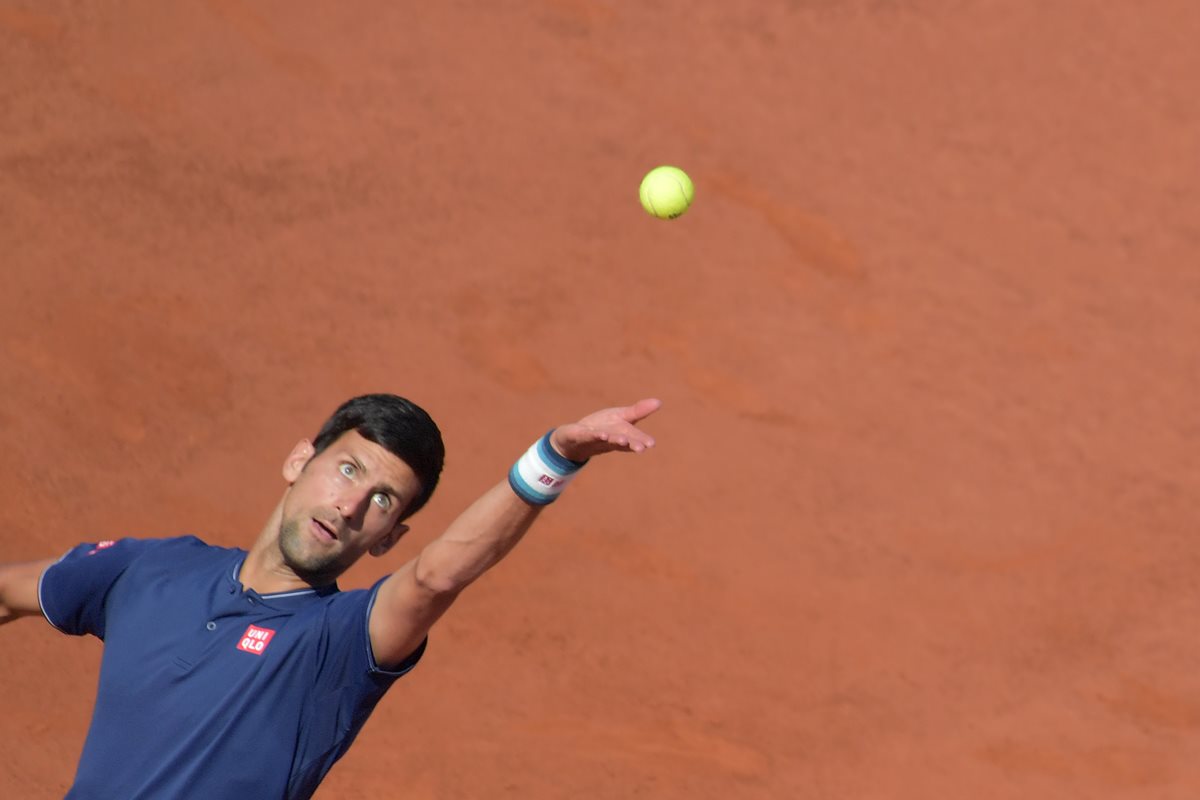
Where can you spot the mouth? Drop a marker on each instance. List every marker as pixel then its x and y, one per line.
pixel 324 531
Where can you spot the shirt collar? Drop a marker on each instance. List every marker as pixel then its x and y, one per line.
pixel 283 600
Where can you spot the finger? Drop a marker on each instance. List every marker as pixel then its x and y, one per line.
pixel 643 441
pixel 626 443
pixel 634 439
pixel 641 409
pixel 595 441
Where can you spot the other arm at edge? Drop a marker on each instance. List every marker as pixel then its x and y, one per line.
pixel 19 589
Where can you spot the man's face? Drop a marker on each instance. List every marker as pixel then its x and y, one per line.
pixel 343 502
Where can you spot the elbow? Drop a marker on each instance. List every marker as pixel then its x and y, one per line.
pixel 5 610
pixel 434 580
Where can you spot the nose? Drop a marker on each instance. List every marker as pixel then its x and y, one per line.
pixel 352 504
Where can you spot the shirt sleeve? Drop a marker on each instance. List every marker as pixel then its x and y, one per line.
pixel 73 592
pixel 409 661
pixel 348 640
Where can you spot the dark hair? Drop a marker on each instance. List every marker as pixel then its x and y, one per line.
pixel 398 425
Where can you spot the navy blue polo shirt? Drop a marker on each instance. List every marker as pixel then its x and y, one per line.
pixel 208 690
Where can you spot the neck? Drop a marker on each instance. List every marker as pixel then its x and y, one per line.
pixel 264 570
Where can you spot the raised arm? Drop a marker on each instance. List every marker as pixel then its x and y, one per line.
pixel 19 589
pixel 417 594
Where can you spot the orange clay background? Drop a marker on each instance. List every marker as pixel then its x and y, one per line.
pixel 922 518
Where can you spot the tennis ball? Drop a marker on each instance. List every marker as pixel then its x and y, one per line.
pixel 666 192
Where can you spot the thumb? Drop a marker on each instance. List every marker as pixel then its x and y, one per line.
pixel 641 409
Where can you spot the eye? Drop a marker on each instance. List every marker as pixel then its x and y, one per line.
pixel 347 470
pixel 382 500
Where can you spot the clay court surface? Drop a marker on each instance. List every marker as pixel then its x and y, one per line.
pixel 922 519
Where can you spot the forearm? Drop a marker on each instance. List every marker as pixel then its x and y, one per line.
pixel 416 596
pixel 493 524
pixel 19 589
pixel 480 536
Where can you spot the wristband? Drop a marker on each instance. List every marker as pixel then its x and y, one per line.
pixel 540 475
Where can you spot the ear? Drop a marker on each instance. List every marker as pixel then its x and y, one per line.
pixel 301 454
pixel 389 540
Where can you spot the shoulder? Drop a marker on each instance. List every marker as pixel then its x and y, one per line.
pixel 190 546
pixel 183 553
pixel 123 554
pixel 355 598
pixel 172 547
pixel 343 602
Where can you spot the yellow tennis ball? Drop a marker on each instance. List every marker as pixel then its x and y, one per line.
pixel 666 192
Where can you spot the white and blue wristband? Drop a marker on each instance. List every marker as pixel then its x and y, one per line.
pixel 540 475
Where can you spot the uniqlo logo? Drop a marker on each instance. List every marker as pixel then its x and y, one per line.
pixel 549 480
pixel 107 543
pixel 255 640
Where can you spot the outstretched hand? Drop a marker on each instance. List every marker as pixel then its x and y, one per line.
pixel 605 431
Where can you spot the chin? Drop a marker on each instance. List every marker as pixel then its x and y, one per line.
pixel 312 567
